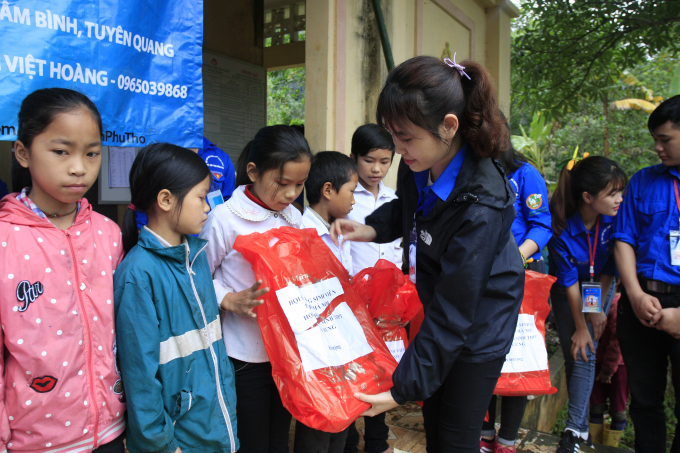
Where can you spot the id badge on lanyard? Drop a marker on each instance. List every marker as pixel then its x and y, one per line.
pixel 591 292
pixel 412 241
pixel 674 235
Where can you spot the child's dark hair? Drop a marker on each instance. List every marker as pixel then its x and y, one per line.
pixel 272 148
pixel 369 137
pixel 328 166
pixel 423 90
pixel 160 166
pixel 668 110
pixel 38 110
pixel 593 175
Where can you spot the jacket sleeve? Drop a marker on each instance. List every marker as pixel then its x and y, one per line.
pixel 538 219
pixel 229 183
pixel 565 271
pixel 466 267
pixel 215 251
pixel 387 221
pixel 5 432
pixel 119 252
pixel 138 338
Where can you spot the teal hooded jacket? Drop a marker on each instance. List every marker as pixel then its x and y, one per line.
pixel 178 380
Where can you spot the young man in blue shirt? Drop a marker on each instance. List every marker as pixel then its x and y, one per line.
pixel 647 257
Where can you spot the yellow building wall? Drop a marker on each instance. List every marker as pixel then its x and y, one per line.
pixel 346 68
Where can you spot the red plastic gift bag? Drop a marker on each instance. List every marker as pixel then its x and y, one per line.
pixel 525 371
pixel 319 336
pixel 392 301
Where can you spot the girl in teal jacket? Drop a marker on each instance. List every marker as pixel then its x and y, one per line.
pixel 178 381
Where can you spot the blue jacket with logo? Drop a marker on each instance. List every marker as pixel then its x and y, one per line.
pixel 178 380
pixel 533 219
pixel 221 167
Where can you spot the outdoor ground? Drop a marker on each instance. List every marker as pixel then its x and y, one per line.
pixel 407 434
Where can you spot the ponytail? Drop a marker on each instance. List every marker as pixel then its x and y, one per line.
pixel 484 126
pixel 562 204
pixel 423 90
pixel 592 175
pixel 242 178
pixel 129 230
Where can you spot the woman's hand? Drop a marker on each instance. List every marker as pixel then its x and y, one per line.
pixel 579 341
pixel 351 231
pixel 599 322
pixel 645 307
pixel 668 320
pixel 379 403
pixel 243 302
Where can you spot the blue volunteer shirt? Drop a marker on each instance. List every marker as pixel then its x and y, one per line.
pixel 569 251
pixel 533 219
pixel 221 167
pixel 648 213
pixel 442 187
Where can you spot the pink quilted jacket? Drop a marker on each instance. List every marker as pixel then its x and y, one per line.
pixel 59 387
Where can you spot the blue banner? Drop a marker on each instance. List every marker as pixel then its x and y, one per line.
pixel 139 61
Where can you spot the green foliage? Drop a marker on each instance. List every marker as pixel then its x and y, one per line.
pixel 286 97
pixel 561 421
pixel 566 52
pixel 674 88
pixel 535 144
pixel 583 125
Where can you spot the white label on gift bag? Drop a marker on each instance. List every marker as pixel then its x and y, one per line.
pixel 396 348
pixel 337 340
pixel 528 351
pixel 303 305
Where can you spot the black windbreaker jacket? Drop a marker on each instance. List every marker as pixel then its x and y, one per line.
pixel 469 273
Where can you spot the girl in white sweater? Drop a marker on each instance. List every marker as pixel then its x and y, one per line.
pixel 272 177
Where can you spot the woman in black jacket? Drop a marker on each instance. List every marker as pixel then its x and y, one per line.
pixel 455 209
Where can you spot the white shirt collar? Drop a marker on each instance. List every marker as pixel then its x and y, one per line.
pixel 381 190
pixel 310 219
pixel 247 209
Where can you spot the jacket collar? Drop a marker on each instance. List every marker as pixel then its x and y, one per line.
pixel 480 180
pixel 191 246
pixel 575 224
pixel 14 211
pixel 446 182
pixel 245 208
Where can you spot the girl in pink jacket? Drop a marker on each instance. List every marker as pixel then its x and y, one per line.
pixel 60 390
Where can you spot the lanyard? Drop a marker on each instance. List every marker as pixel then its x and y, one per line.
pixel 593 249
pixel 677 198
